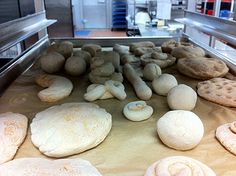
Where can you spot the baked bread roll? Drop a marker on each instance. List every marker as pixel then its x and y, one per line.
pixel 202 68
pixel 70 128
pixel 13 129
pixel 52 62
pixel 46 167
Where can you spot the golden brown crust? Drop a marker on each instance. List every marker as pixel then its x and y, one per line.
pixel 202 68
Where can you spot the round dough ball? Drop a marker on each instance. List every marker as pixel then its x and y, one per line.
pixel 182 97
pixel 137 111
pixel 70 128
pixel 151 71
pixel 75 66
pixel 180 130
pixel 83 54
pixel 52 62
pixel 65 48
pixel 164 83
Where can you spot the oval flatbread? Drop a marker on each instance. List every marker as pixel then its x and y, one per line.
pixel 202 67
pixel 13 128
pixel 45 167
pixel 70 128
pixel 218 90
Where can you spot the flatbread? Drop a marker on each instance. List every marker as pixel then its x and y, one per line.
pixel 202 68
pixel 13 128
pixel 46 167
pixel 70 128
pixel 218 90
pixel 227 136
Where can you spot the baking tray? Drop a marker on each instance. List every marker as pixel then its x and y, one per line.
pixel 130 147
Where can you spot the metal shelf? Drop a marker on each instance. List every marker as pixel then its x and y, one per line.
pixel 15 31
pixel 217 27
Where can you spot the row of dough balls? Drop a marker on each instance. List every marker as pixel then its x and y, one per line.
pixel 179 96
pixel 61 55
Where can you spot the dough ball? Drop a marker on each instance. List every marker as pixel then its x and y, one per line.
pixel 92 48
pixel 164 83
pixel 75 65
pixel 52 62
pixel 83 54
pixel 65 48
pixel 70 128
pixel 137 111
pixel 180 130
pixel 47 167
pixel 151 71
pixel 182 97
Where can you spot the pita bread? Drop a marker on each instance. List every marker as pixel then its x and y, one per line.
pixel 202 67
pixel 45 167
pixel 13 128
pixel 70 128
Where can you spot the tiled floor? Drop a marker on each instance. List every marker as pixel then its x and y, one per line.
pixel 102 33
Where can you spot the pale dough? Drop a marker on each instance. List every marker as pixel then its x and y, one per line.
pixel 162 84
pixel 137 111
pixel 226 135
pixel 57 87
pixel 182 97
pixel 116 88
pixel 95 93
pixel 13 129
pixel 179 166
pixel 106 95
pixel 46 167
pixel 70 128
pixel 180 130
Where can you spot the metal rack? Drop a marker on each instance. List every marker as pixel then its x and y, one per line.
pixel 119 11
pixel 15 32
pixel 215 28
